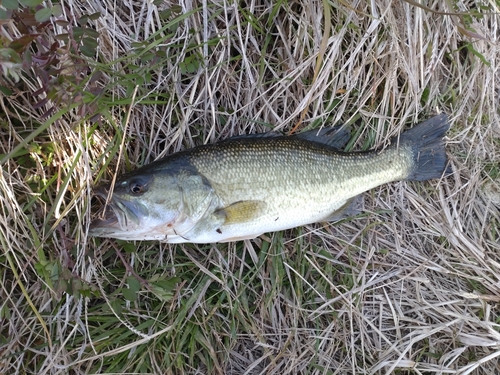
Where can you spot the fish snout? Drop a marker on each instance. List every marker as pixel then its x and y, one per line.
pixel 105 217
pixel 101 191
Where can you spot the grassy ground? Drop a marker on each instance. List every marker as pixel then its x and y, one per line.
pixel 90 89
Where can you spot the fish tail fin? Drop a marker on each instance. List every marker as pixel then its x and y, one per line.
pixel 428 148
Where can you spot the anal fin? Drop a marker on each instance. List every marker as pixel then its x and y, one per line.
pixel 351 207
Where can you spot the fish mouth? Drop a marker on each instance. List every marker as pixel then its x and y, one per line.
pixel 115 217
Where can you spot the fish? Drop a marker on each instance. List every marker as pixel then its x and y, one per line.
pixel 245 186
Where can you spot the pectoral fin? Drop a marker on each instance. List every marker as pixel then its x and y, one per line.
pixel 351 207
pixel 242 211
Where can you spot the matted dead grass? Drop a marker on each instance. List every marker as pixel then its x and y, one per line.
pixel 410 286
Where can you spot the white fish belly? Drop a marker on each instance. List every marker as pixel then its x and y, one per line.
pixel 285 211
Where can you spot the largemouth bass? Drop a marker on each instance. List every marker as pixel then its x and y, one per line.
pixel 245 186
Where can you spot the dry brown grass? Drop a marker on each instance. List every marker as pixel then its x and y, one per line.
pixel 411 287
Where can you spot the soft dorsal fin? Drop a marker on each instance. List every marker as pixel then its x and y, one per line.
pixel 336 136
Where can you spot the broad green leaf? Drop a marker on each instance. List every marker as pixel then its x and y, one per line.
pixel 62 23
pixel 87 51
pixel 127 246
pixel 57 10
pixel 64 36
pixel 133 284
pixel 92 33
pixel 31 3
pixel 117 306
pixel 10 4
pixel 5 90
pixel 43 14
pixel 94 16
pixel 5 312
pixel 168 284
pixel 82 20
pixel 78 32
pixel 90 42
pixel 129 294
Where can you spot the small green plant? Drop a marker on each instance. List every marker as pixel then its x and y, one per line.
pixel 55 61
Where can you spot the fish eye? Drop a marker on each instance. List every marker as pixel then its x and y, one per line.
pixel 136 187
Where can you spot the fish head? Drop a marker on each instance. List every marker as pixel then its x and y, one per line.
pixel 141 207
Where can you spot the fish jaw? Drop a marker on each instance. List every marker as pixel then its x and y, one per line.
pixel 128 220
